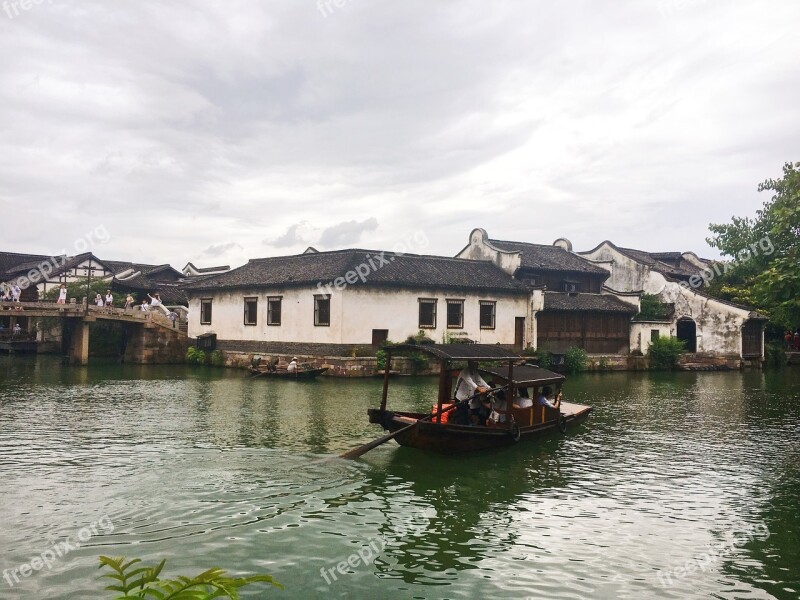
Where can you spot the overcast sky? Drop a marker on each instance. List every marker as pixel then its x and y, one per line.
pixel 221 131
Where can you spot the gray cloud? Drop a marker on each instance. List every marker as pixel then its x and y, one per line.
pixel 292 237
pixel 634 121
pixel 346 233
pixel 220 249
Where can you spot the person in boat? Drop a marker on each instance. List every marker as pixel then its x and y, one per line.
pixel 523 400
pixel 544 398
pixel 470 386
pixel 292 367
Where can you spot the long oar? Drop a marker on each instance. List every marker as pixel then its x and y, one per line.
pixel 356 452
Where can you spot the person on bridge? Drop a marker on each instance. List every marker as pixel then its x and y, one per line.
pixel 62 294
pixel 129 302
pixel 109 299
pixel 98 300
pixel 155 301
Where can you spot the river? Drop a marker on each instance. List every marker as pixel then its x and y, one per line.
pixel 679 486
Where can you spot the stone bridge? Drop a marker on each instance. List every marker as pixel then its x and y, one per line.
pixel 148 337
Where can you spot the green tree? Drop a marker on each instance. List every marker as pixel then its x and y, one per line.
pixel 765 252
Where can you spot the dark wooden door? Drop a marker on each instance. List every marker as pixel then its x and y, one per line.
pixel 519 332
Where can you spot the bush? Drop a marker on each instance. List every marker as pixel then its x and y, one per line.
pixel 134 580
pixel 665 352
pixel 418 361
pixel 575 360
pixel 217 359
pixel 541 356
pixel 195 356
pixel 652 308
pixel 381 363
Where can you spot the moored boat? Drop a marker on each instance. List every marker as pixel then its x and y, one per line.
pixel 437 433
pixel 303 371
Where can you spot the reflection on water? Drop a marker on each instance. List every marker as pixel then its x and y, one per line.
pixel 210 468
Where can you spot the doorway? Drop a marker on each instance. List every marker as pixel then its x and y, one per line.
pixel 687 332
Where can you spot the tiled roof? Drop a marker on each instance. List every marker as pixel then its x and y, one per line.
pixel 586 302
pixel 9 261
pixel 208 269
pixel 654 263
pixel 408 270
pixel 549 258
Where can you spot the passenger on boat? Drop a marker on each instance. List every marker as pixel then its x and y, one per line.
pixel 544 401
pixel 469 386
pixel 523 400
pixel 292 365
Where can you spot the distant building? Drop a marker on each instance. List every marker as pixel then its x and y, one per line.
pixel 706 324
pixel 38 274
pixel 361 297
pixel 578 310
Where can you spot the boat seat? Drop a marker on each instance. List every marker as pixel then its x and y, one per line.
pixel 534 415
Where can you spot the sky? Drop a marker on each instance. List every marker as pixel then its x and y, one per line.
pixel 219 131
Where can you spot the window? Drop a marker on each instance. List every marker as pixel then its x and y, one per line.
pixel 205 311
pixel 322 310
pixel 570 286
pixel 487 314
pixel 427 313
pixel 654 335
pixel 250 311
pixel 274 310
pixel 455 314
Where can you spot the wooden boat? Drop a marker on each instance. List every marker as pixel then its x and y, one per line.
pixel 302 372
pixel 437 434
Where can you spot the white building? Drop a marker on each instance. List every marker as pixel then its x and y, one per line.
pixel 708 325
pixel 362 297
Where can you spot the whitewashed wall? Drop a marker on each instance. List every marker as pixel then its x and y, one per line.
pixel 640 334
pixel 355 312
pixel 479 248
pixel 627 275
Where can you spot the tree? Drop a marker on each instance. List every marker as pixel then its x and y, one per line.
pixel 765 252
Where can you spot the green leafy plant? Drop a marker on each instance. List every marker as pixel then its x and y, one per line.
pixel 217 359
pixel 665 352
pixel 136 580
pixel 652 308
pixel 381 362
pixel 575 359
pixel 541 356
pixel 418 361
pixel 195 356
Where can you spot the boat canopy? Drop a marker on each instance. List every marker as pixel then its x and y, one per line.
pixel 447 352
pixel 526 375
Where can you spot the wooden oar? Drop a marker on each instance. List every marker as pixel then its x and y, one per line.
pixel 356 452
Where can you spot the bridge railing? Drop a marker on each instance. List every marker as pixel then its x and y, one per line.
pixel 76 309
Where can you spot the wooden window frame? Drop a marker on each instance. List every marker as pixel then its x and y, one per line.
pixel 450 302
pixel 270 315
pixel 248 300
pixel 317 298
pixel 210 303
pixel 493 304
pixel 433 302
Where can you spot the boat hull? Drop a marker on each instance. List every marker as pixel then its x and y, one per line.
pixel 446 438
pixel 291 375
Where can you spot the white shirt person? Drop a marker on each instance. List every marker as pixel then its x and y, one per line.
pixel 469 383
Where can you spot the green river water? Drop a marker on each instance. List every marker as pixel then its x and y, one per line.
pixel 679 486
